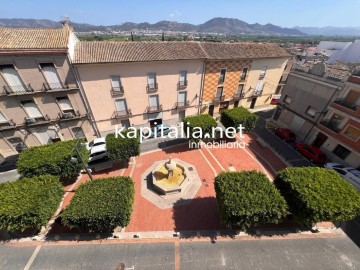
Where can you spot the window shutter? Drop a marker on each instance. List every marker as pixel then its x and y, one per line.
pixel 78 132
pixel 2 118
pixel 151 80
pixel 51 75
pixel 65 104
pixel 120 105
pixel 32 110
pixel 153 101
pixel 13 79
pixel 182 78
pixel 182 97
pixel 115 82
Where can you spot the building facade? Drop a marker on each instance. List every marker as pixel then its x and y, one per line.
pixel 40 101
pixel 240 74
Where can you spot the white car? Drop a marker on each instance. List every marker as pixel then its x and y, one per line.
pixel 98 152
pixel 348 173
pixel 96 142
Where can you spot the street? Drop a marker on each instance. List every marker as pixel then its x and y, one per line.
pixel 317 253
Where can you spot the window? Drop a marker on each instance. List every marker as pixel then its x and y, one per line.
pixel 17 143
pixel 31 109
pixel 243 75
pixel 219 92
pixel 152 81
pixel 182 79
pixel 239 90
pixel 51 76
pixel 263 72
pixel 2 118
pixel 116 83
pixel 287 99
pixel 121 106
pixel 154 102
pixel 65 105
pixel 341 151
pixel 222 75
pixel 258 88
pixel 13 80
pixel 236 104
pixel 352 133
pixel 78 132
pixel 182 98
pixel 311 111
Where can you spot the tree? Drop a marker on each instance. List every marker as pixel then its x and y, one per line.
pixel 199 126
pixel 239 116
pixel 247 199
pixel 120 148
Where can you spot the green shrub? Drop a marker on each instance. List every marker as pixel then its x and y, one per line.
pixel 199 125
pixel 247 198
pixel 239 116
pixel 29 202
pixel 54 159
pixel 122 148
pixel 318 194
pixel 101 205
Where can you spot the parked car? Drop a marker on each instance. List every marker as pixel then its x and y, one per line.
pixel 98 152
pixel 96 142
pixel 159 130
pixel 285 134
pixel 348 173
pixel 311 152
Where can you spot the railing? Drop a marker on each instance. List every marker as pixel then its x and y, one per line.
pixel 151 109
pixel 55 86
pixel 257 93
pixel 182 84
pixel 69 115
pixel 183 104
pixel 116 91
pixel 151 87
pixel 219 98
pixel 122 114
pixel 36 120
pixel 7 124
pixel 330 126
pixel 347 105
pixel 18 89
pixel 238 96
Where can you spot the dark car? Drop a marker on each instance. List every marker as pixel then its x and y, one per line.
pixel 285 134
pixel 311 152
pixel 158 131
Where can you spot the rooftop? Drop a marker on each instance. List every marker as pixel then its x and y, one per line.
pixel 33 38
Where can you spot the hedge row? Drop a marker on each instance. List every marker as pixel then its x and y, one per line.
pixel 239 116
pixel 318 194
pixel 119 148
pixel 203 123
pixel 29 202
pixel 55 159
pixel 248 199
pixel 101 205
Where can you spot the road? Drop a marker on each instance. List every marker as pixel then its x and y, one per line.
pixel 321 253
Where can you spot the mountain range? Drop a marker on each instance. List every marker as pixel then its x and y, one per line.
pixel 215 25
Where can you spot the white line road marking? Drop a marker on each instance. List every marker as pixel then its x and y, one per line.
pixel 32 258
pixel 133 167
pixel 218 163
pixel 208 162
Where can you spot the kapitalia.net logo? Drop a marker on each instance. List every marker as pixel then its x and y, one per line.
pixel 196 135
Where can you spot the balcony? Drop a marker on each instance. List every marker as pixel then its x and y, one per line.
pixel 185 104
pixel 182 84
pixel 257 93
pixel 219 98
pixel 151 88
pixel 18 90
pixel 238 96
pixel 152 109
pixel 30 121
pixel 117 91
pixel 55 86
pixel 7 125
pixel 330 126
pixel 122 114
pixel 69 115
pixel 347 105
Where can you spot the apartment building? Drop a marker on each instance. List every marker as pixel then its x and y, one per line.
pixel 338 134
pixel 40 101
pixel 240 74
pixel 140 83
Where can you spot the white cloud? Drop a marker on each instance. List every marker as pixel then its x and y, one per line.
pixel 175 13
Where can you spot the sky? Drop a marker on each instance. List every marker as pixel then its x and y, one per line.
pixel 285 13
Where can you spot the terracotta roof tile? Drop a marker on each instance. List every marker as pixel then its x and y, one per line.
pixel 39 38
pixel 111 51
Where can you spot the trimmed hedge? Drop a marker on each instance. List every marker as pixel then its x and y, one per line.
pixel 29 202
pixel 239 116
pixel 318 194
pixel 122 148
pixel 203 122
pixel 101 205
pixel 54 159
pixel 247 199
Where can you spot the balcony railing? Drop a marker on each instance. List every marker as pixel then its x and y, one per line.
pixel 219 98
pixel 18 89
pixel 347 105
pixel 117 91
pixel 257 93
pixel 151 87
pixel 7 125
pixel 182 104
pixel 55 86
pixel 238 96
pixel 151 109
pixel 122 114
pixel 330 126
pixel 69 115
pixel 182 84
pixel 36 120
